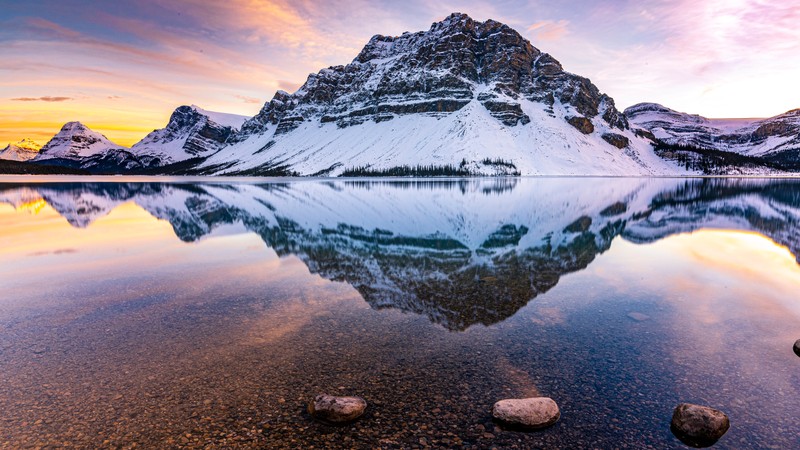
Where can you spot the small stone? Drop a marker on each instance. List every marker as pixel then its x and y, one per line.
pixel 527 413
pixel 639 317
pixel 329 408
pixel 797 347
pixel 699 426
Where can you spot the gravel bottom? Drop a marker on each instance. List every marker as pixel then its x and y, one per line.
pixel 238 372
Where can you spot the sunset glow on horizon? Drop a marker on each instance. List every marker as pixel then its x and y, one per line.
pixel 121 68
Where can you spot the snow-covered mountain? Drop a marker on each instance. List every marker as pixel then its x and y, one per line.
pixel 190 132
pixel 775 139
pixel 462 98
pixel 75 141
pixel 23 150
pixel 474 96
pixel 459 252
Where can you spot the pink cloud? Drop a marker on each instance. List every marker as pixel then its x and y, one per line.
pixel 548 30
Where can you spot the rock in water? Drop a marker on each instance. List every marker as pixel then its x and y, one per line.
pixel 797 347
pixel 699 426
pixel 329 408
pixel 529 413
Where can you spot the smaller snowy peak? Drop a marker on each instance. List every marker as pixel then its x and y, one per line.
pixel 23 150
pixel 191 132
pixel 75 141
pixel 752 137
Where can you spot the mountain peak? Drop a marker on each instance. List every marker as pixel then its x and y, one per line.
pixel 74 141
pixel 24 150
pixel 438 72
pixel 191 132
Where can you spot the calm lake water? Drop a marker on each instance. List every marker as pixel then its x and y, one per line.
pixel 207 314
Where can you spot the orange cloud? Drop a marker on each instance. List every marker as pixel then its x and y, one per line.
pixel 41 99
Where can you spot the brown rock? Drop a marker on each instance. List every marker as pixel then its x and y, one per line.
pixel 614 209
pixel 583 124
pixel 338 410
pixel 617 140
pixel 527 413
pixel 579 226
pixel 698 426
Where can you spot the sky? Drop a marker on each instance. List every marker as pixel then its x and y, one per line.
pixel 122 67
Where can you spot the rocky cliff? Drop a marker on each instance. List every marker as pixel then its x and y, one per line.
pixel 191 132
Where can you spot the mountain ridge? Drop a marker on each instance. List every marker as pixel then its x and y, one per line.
pixel 24 150
pixel 464 97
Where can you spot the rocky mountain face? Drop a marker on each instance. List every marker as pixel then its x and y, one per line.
pixel 439 249
pixel 461 92
pixel 775 140
pixel 75 141
pixel 437 72
pixel 23 150
pixel 190 133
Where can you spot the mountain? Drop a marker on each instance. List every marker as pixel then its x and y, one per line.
pixel 471 97
pixel 462 98
pixel 191 132
pixel 75 141
pixel 458 252
pixel 23 150
pixel 773 140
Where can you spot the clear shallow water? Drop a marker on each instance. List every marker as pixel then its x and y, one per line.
pixel 192 314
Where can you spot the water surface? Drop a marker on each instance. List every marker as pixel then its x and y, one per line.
pixel 175 314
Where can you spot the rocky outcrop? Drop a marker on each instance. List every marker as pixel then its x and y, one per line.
pixel 581 124
pixel 191 132
pixel 617 140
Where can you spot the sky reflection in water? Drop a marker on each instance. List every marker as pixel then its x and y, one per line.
pixel 217 310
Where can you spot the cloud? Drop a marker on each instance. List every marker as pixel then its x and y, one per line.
pixel 247 99
pixel 548 30
pixel 288 86
pixel 41 99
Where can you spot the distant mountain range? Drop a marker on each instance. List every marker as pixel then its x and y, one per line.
pixel 23 150
pixel 461 252
pixel 462 98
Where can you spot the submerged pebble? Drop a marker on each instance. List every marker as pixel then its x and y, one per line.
pixel 333 409
pixel 699 426
pixel 639 317
pixel 530 413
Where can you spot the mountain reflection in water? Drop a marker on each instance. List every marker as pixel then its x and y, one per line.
pixel 460 252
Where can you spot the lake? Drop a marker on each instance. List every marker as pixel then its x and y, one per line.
pixel 208 313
